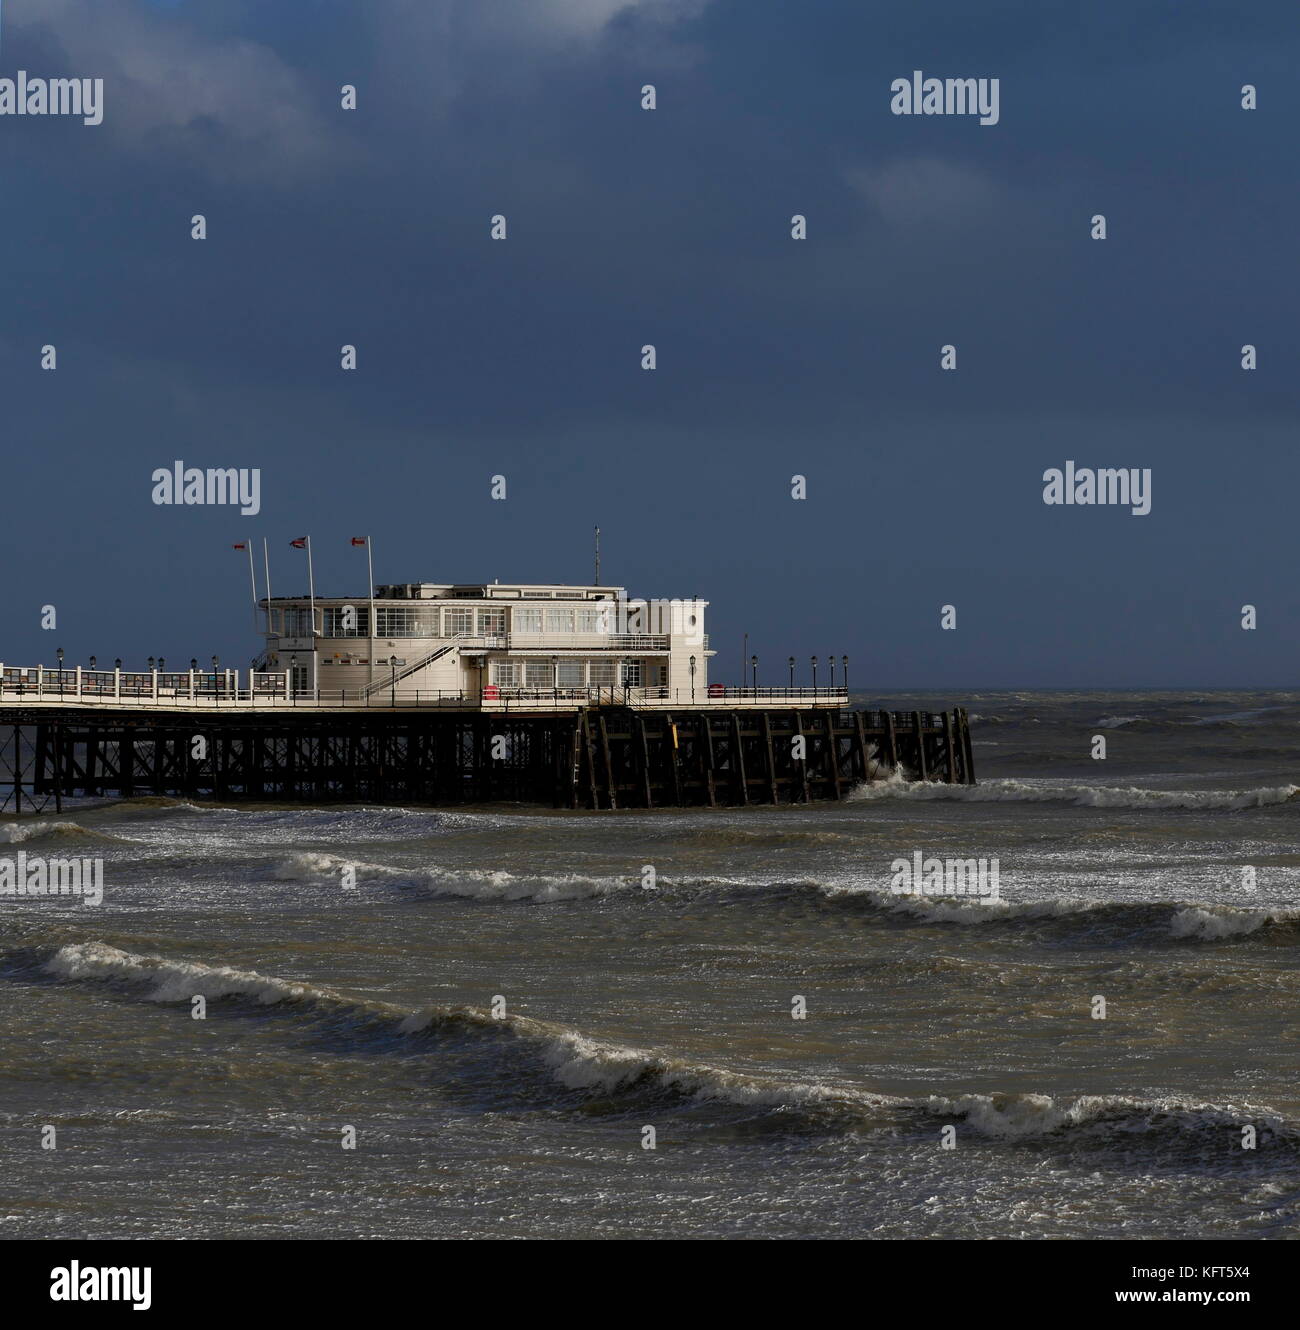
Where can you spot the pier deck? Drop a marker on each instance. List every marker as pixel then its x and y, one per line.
pixel 596 756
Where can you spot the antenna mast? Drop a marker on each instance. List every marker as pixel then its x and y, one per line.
pixel 597 581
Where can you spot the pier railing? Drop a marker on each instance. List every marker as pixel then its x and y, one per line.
pixel 265 689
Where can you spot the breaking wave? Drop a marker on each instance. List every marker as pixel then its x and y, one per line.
pixel 466 883
pixel 20 833
pixel 520 1055
pixel 1081 796
pixel 1102 919
pixel 1115 920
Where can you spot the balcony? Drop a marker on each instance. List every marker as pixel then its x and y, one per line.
pixel 589 641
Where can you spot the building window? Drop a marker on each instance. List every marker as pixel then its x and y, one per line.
pixel 559 621
pixel 346 621
pixel 570 673
pixel 631 674
pixel 505 673
pixel 491 623
pixel 297 622
pixel 537 674
pixel 527 620
pixel 457 623
pixel 397 622
pixel 601 671
pixel 591 621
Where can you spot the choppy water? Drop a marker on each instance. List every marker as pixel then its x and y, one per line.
pixel 670 1007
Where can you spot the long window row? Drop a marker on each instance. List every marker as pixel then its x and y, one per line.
pixel 575 673
pixel 437 621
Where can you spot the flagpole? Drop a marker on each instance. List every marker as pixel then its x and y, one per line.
pixel 311 602
pixel 370 572
pixel 266 560
pixel 252 578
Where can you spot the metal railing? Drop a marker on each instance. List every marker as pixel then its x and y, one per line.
pixel 271 689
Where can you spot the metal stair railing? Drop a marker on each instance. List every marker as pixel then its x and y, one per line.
pixel 407 670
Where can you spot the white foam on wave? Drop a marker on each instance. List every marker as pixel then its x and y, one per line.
pixel 1191 922
pixel 580 1063
pixel 1082 796
pixel 171 981
pixel 1013 1116
pixel 19 833
pixel 1209 923
pixel 465 883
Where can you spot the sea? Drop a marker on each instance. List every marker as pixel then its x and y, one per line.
pixel 355 1022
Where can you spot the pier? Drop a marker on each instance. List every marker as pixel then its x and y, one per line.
pixel 453 693
pixel 138 734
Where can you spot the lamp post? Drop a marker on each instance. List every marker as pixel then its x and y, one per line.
pixel 792 674
pixel 753 665
pixel 290 681
pixel 692 678
pixel 392 681
pixel 831 659
pixel 555 677
pixel 814 665
pixel 844 660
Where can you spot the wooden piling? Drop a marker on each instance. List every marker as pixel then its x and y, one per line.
pixel 741 784
pixel 772 794
pixel 950 754
pixel 922 770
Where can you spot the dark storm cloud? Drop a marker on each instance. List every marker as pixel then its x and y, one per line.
pixel 669 227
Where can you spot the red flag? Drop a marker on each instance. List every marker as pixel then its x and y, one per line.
pixel 243 545
pixel 358 540
pixel 300 543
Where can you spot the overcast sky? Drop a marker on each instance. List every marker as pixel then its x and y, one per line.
pixel 776 357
